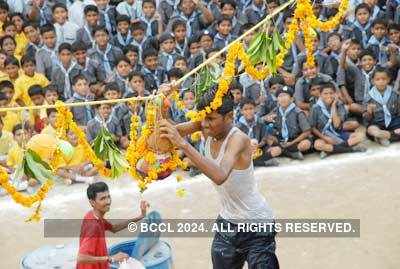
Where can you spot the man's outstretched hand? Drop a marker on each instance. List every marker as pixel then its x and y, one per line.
pixel 170 132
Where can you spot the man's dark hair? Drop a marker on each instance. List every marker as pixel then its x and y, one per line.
pixel 47 28
pixel 235 85
pixel 99 28
pixel 136 74
pixel 16 128
pixel 149 53
pixel 65 46
pixel 224 18
pixel 205 100
pixel 27 59
pixel 175 24
pixel 11 60
pixel 50 110
pixel 112 86
pixel 367 52
pixel 394 26
pixel 95 188
pixel 380 21
pixel 227 2
pixel 362 6
pixel 380 69
pixel 174 72
pixel 4 6
pixel 129 48
pixel 6 84
pixel 77 78
pixel 78 46
pixel 328 86
pixel 59 5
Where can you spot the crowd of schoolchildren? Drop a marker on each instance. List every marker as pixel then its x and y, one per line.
pixel 79 51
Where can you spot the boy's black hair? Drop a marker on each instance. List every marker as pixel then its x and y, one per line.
pixel 47 28
pixel 102 99
pixel 235 85
pixel 276 80
pixel 328 85
pixel 247 101
pixel 6 84
pixel 30 23
pixel 16 128
pixel 316 81
pixel 131 94
pixel 380 69
pixel 149 1
pixel 362 6
pixel 175 24
pixel 59 5
pixel 227 2
pixel 122 18
pixel 193 39
pixel 367 52
pixel 148 53
pixel 209 51
pixel 129 48
pixel 136 74
pixel 379 21
pixel 335 34
pixel 90 8
pixel 78 77
pixel 4 6
pixel 26 59
pixel 7 37
pixel 78 46
pixel 287 14
pixel 394 26
pixel 180 58
pixel 64 46
pixel 174 72
pixel 94 189
pixel 11 60
pixel 35 90
pixel 246 27
pixel 205 100
pixel 112 86
pixel 6 24
pixel 354 41
pixel 122 59
pixel 50 110
pixel 3 97
pixel 50 88
pixel 137 26
pixel 99 28
pixel 224 18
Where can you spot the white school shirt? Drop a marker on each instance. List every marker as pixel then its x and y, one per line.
pixel 75 13
pixel 66 32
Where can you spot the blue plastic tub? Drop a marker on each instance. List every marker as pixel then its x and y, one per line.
pixel 158 257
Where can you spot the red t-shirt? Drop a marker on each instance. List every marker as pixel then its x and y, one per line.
pixel 92 240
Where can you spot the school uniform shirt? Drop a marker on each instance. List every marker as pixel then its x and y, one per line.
pixel 82 114
pixel 362 32
pixel 301 89
pixel 133 11
pixel 84 35
pixel 24 82
pixel 61 77
pixel 151 26
pixel 15 156
pixel 31 49
pixel 78 157
pixel 123 82
pixel 392 10
pixel 93 71
pixel 255 13
pixel 76 14
pixel 357 81
pixel 166 9
pixel 319 120
pixel 251 88
pixel 392 105
pixel 49 130
pixel 296 123
pixel 121 41
pixel 166 60
pixel 194 22
pixel 153 79
pixel 221 41
pixel 22 42
pixel 268 106
pixel 17 6
pixel 46 59
pixel 107 58
pixel 322 59
pixel 119 111
pixel 254 129
pixel 95 124
pixel 237 114
pixel 107 19
pixel 66 33
pixel 182 48
pixel 10 120
pixel 379 47
pixel 7 142
pixel 45 14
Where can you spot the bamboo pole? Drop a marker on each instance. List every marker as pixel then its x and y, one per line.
pixel 186 76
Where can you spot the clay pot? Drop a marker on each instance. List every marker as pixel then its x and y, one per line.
pixel 159 144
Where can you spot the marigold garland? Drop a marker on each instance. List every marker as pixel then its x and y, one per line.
pixel 22 199
pixel 64 122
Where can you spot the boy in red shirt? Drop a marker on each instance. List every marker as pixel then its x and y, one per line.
pixel 92 244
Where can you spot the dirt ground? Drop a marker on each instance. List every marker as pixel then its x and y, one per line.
pixel 361 186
